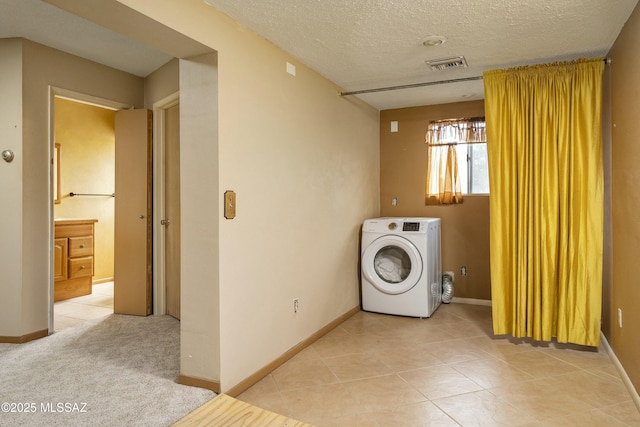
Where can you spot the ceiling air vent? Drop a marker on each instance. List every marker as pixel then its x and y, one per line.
pixel 447 63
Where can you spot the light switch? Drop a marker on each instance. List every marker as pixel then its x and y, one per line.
pixel 394 126
pixel 229 204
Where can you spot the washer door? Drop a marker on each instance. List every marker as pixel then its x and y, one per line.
pixel 392 264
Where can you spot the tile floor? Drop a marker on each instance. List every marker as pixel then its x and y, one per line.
pixel 77 310
pixel 448 370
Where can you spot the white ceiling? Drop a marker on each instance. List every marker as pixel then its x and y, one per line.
pixel 363 44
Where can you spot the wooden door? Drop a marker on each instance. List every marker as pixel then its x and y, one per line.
pixel 132 287
pixel 172 209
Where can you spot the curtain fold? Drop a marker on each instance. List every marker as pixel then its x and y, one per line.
pixel 443 180
pixel 443 185
pixel 546 182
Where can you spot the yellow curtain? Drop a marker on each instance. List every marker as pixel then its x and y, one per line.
pixel 544 143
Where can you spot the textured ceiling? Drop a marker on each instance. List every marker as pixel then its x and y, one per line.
pixel 361 44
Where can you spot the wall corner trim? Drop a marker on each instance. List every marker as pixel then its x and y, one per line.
pixel 25 338
pixel 623 374
pixel 199 382
pixel 261 373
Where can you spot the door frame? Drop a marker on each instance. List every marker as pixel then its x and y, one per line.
pixel 159 246
pixel 57 92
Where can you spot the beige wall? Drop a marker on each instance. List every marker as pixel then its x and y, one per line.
pixel 625 200
pixel 32 69
pixel 305 166
pixel 86 135
pixel 403 165
pixel 11 187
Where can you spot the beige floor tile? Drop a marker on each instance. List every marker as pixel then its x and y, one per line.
pixel 594 390
pixel 584 358
pixel 75 311
pixel 357 366
pixel 340 345
pixel 363 322
pixel 592 418
pixel 320 402
pixel 378 360
pixel 491 372
pixel 482 409
pixel 626 412
pixel 424 414
pixel 499 347
pixel 540 402
pixel 456 351
pixel 407 357
pixel 63 322
pixel 91 312
pixel 383 393
pixel 439 382
pixel 66 307
pixel 304 373
pixel 465 329
pixel 539 364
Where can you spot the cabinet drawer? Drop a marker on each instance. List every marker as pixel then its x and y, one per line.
pixel 80 267
pixel 73 230
pixel 80 246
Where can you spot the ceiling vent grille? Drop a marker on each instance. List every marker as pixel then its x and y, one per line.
pixel 447 63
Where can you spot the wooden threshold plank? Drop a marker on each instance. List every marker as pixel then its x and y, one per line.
pixel 225 411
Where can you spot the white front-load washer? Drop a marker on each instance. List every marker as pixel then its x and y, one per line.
pixel 401 266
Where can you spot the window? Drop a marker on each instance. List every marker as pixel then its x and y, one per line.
pixel 457 162
pixel 473 168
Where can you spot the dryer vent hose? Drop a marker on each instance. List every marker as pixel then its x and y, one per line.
pixel 447 287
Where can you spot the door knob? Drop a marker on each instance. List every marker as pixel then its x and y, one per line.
pixel 7 156
pixel 141 217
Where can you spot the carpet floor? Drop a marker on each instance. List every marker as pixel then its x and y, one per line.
pixel 115 371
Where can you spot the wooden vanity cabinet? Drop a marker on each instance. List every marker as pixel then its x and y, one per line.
pixel 73 250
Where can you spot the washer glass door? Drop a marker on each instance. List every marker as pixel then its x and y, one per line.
pixel 392 264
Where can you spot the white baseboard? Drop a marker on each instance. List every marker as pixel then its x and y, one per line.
pixel 623 374
pixel 471 301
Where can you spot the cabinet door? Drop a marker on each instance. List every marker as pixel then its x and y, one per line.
pixel 60 251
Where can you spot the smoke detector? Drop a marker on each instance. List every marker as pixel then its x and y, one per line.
pixel 447 63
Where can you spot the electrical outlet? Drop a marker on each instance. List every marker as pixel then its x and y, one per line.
pixel 296 305
pixel 463 270
pixel 620 318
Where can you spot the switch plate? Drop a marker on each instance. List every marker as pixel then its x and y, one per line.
pixel 620 318
pixel 229 204
pixel 291 69
pixel 394 126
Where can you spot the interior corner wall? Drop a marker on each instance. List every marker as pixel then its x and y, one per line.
pixel 11 218
pixel 28 269
pixel 403 168
pixel 304 164
pixel 161 83
pixel 199 222
pixel 625 201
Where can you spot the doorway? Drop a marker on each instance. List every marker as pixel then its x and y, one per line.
pixel 166 113
pixel 166 210
pixel 83 210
